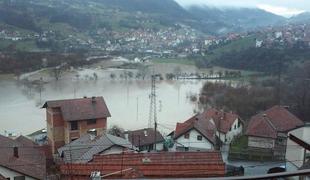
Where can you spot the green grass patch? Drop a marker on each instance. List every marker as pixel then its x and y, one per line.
pixel 239 144
pixel 174 61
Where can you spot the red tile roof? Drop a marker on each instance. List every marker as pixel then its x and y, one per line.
pixel 152 165
pixel 222 120
pixel 30 161
pixel 81 109
pixel 144 137
pixel 270 122
pixel 199 123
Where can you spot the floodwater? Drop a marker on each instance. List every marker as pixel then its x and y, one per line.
pixel 128 100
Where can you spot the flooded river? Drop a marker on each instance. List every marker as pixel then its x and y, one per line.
pixel 128 100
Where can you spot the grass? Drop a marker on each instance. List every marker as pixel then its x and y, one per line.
pixel 239 144
pixel 182 61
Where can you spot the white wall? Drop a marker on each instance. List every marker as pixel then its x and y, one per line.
pixel 230 134
pixel 260 142
pixel 192 141
pixel 7 173
pixel 294 152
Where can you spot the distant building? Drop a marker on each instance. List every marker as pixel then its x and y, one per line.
pixel 21 159
pixel 148 166
pixel 269 130
pixel 144 139
pixel 68 120
pixel 39 137
pixel 83 149
pixel 259 43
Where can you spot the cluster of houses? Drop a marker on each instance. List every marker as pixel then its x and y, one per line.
pixel 76 140
pixel 288 36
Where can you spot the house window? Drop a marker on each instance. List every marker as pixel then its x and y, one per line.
pixel 19 178
pixel 91 121
pixel 235 127
pixel 225 139
pixel 74 125
pixel 199 138
pixel 186 136
pixel 239 123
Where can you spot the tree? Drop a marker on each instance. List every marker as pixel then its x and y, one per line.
pixel 116 131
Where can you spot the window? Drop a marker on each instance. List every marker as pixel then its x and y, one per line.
pixel 186 149
pixel 91 121
pixel 199 137
pixel 19 178
pixel 186 136
pixel 235 127
pixel 74 125
pixel 225 139
pixel 230 129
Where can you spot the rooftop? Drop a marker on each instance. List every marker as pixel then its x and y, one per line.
pixel 80 109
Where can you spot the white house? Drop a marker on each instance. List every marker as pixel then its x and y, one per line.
pixel 195 134
pixel 144 139
pixel 228 124
pixel 296 155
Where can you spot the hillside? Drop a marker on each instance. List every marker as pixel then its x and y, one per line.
pixel 234 19
pixel 301 18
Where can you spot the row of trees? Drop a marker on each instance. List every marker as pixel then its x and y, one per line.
pixel 292 90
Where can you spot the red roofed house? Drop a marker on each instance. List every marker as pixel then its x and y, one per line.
pixel 200 131
pixel 21 159
pixel 228 124
pixel 269 130
pixel 195 134
pixel 68 120
pixel 148 166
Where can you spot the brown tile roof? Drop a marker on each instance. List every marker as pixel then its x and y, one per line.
pixel 270 122
pixel 222 120
pixel 81 109
pixel 199 123
pixel 30 161
pixel 144 137
pixel 153 165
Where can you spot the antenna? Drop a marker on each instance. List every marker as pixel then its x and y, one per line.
pixel 153 111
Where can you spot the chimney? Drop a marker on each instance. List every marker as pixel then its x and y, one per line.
pixel 15 152
pixel 145 132
pixel 93 99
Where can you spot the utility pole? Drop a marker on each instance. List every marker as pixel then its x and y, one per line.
pixel 153 111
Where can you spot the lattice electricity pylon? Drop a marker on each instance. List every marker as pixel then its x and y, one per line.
pixel 153 111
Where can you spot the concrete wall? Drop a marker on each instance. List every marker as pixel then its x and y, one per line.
pixel 192 143
pixel 259 142
pixel 7 173
pixel 294 152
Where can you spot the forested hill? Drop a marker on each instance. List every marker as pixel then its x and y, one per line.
pixel 37 15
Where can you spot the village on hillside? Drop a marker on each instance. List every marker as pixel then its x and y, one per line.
pixel 76 144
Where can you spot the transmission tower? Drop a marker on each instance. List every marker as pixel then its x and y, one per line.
pixel 153 113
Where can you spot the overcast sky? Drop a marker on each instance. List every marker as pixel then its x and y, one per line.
pixel 285 8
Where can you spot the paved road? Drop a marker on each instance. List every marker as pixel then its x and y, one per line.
pixel 250 167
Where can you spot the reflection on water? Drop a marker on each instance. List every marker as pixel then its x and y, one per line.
pixel 127 100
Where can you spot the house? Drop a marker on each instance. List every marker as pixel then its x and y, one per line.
pixel 268 130
pixel 20 159
pixel 39 137
pixel 297 154
pixel 148 166
pixel 67 120
pixel 144 139
pixel 83 149
pixel 228 124
pixel 195 134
